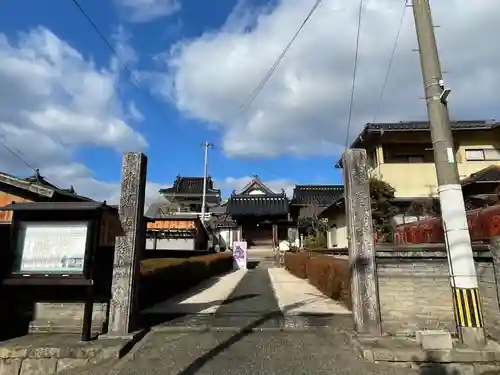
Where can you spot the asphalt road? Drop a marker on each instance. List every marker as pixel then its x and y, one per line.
pixel 273 353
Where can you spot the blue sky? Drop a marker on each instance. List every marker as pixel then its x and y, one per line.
pixel 195 64
pixel 174 139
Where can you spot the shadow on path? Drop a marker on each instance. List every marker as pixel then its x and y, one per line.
pixel 254 297
pixel 151 319
pixel 198 364
pixel 431 368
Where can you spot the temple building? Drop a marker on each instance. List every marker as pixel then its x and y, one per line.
pixel 309 200
pixel 257 215
pixel 186 195
pixel 307 204
pixel 173 221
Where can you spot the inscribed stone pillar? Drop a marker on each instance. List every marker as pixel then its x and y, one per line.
pixel 364 283
pixel 129 245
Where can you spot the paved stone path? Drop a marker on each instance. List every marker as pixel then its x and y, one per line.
pixel 297 297
pixel 261 322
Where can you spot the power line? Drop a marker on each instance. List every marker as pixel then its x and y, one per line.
pixel 256 91
pixel 355 69
pixel 17 156
pixel 107 42
pixel 391 60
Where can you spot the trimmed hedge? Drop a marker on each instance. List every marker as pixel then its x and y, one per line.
pixel 328 274
pixel 164 278
pixel 296 263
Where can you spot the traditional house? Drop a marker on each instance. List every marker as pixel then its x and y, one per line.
pixel 261 216
pixel 402 155
pixel 307 203
pixel 482 188
pixel 224 228
pixel 172 230
pixel 186 195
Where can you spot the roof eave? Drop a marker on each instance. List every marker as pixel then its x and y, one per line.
pixel 25 185
pixel 368 130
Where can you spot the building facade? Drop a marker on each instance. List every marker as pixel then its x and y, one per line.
pixel 402 155
pixel 261 217
pixel 186 195
pixel 309 201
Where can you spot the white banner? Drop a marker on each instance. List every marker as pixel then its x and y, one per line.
pixel 52 247
pixel 240 254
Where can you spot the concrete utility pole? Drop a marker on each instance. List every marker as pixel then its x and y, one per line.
pixel 206 145
pixel 467 302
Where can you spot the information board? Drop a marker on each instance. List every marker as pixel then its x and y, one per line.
pixel 240 254
pixel 51 247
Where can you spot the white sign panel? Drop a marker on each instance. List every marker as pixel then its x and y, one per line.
pixel 240 254
pixel 52 247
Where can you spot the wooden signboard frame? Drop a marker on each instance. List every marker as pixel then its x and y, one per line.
pixel 94 214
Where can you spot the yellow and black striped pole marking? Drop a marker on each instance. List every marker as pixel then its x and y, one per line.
pixel 468 307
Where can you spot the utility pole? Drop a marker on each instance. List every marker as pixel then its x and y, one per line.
pixel 463 278
pixel 206 146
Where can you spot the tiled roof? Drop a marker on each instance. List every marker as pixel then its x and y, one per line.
pixel 158 209
pixel 424 125
pixel 255 184
pixel 258 205
pixel 489 174
pixel 40 185
pixel 59 206
pixel 218 210
pixel 411 126
pixel 319 195
pixel 191 185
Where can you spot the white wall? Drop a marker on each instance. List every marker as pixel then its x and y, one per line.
pixel 337 234
pixel 226 235
pixel 171 244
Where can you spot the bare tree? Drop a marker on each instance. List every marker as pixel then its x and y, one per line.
pixel 314 226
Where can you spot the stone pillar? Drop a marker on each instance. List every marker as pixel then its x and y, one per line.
pixel 364 283
pixel 495 251
pixel 129 245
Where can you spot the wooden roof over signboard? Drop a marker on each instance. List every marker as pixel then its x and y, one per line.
pixel 59 206
pixel 39 186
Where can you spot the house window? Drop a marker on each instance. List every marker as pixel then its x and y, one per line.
pixel 406 159
pixel 482 154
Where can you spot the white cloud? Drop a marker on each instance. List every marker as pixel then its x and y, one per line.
pixel 53 102
pixel 303 108
pixel 85 183
pixel 238 183
pixel 148 10
pixel 123 47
